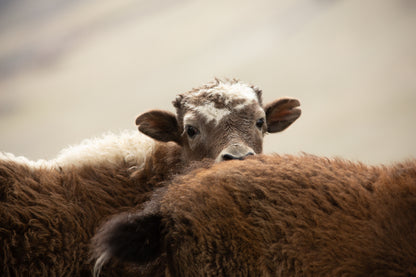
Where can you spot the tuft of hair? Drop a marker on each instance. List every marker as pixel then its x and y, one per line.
pixel 25 161
pixel 129 147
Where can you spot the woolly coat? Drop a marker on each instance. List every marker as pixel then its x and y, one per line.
pixel 275 216
pixel 49 210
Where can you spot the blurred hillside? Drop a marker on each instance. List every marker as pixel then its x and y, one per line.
pixel 71 70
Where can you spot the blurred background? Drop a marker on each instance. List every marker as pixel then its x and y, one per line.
pixel 71 70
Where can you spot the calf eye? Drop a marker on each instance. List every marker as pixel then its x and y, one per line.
pixel 260 123
pixel 191 131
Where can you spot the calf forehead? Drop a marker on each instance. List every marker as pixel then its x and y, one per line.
pixel 215 102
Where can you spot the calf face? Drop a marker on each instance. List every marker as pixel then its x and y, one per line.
pixel 224 120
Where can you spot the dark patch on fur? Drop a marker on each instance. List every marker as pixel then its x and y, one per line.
pixel 132 238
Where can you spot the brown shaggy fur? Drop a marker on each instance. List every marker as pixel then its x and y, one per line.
pixel 48 215
pixel 275 216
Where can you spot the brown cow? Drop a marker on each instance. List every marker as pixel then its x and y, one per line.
pixel 274 216
pixel 50 209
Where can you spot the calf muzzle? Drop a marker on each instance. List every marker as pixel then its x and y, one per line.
pixel 235 152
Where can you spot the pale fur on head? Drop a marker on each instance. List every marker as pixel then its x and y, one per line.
pixel 228 91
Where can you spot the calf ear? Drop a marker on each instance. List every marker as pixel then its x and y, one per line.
pixel 128 237
pixel 160 125
pixel 281 113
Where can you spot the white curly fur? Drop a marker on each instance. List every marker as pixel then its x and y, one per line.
pixel 130 147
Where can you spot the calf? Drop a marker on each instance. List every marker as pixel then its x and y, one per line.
pixel 274 216
pixel 222 120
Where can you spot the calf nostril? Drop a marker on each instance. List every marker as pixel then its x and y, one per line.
pixel 228 157
pixel 245 156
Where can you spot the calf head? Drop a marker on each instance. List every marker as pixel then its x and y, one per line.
pixel 223 120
